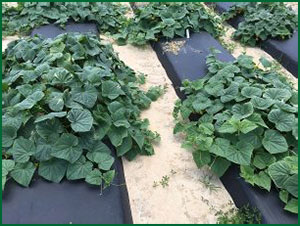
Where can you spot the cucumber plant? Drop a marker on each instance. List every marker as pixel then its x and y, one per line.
pixel 158 20
pixel 63 101
pixel 240 114
pixel 262 20
pixel 108 16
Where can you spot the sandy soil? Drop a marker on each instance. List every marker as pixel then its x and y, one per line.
pixel 186 199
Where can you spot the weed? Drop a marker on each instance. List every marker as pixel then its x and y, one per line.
pixel 206 181
pixel 164 181
pixel 244 215
pixel 155 184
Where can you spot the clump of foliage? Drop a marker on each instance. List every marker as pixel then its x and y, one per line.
pixel 263 20
pixel 151 22
pixel 62 99
pixel 158 20
pixel 28 15
pixel 284 173
pixel 244 115
pixel 243 215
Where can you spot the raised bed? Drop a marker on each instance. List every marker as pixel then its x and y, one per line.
pixel 190 64
pixel 284 51
pixel 69 201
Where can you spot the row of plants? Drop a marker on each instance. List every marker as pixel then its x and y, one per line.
pixel 155 20
pixel 262 20
pixel 63 101
pixel 150 23
pixel 240 114
pixel 22 19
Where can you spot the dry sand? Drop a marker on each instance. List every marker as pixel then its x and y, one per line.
pixel 186 199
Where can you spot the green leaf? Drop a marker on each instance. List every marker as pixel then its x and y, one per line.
pixel 104 160
pixel 51 115
pixel 230 93
pixel 49 129
pixel 245 61
pixel 233 125
pixel 67 148
pixel 284 195
pixel 261 103
pixel 254 138
pixel 13 120
pixel 241 111
pixel 138 137
pixel 214 88
pixel 86 95
pixel 108 177
pixel 277 94
pixel 228 127
pixel 261 179
pixel 283 121
pixel 206 128
pixel 246 126
pixel 291 185
pixel 30 101
pixel 215 107
pixel 23 149
pixel 292 206
pixel 286 107
pixel 9 133
pixel 124 147
pixel 94 177
pixel 274 142
pixel 23 173
pixel 119 118
pixel 280 172
pixel 228 71
pixel 263 159
pixel 241 154
pixel 294 99
pixel 79 169
pixel 43 152
pixel 219 166
pixel 247 172
pixel 116 135
pixel 81 120
pixel 251 92
pixel 201 158
pixel 7 166
pixel 53 170
pixel 111 90
pixel 257 119
pixel 265 62
pixel 56 102
pixel 201 103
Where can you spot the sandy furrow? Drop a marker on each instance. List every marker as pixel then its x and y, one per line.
pixel 186 199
